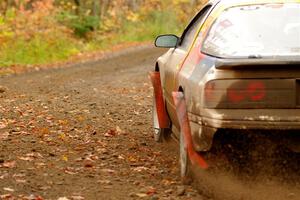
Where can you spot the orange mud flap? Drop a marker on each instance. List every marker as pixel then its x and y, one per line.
pixel 162 115
pixel 182 115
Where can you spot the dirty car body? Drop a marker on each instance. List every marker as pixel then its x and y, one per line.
pixel 238 66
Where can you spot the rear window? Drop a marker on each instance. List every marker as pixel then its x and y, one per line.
pixel 255 31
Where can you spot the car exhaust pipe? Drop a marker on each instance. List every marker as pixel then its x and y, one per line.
pixel 182 115
pixel 162 115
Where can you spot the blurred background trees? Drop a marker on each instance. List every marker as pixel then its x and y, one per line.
pixel 43 31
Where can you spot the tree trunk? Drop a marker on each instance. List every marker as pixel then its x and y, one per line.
pixel 96 8
pixel 78 6
pixel 104 6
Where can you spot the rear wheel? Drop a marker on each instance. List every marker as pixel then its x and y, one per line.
pixel 160 134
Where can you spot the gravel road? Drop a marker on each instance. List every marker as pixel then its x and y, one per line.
pixel 84 132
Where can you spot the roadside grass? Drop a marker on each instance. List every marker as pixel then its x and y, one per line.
pixel 57 45
pixel 38 50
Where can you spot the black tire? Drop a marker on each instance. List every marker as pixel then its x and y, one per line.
pixel 160 134
pixel 185 163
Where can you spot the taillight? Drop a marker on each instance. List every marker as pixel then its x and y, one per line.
pixel 256 91
pixel 236 95
pixel 210 91
pixel 250 93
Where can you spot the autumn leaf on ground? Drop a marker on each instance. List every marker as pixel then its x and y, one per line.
pixel 8 164
pixel 64 158
pixel 3 124
pixel 6 196
pixel 8 189
pixel 4 136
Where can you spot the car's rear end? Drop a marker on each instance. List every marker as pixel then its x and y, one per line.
pixel 253 97
pixel 255 82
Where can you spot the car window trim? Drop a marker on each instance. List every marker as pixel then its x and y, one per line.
pixel 205 8
pixel 199 30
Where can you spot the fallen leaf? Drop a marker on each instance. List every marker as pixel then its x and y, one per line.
pixel 21 181
pixel 64 158
pixel 9 164
pixel 4 176
pixel 151 191
pixel 70 171
pixel 141 195
pixel 45 188
pixel 119 130
pixel 26 158
pixel 62 198
pixel 30 156
pixel 4 136
pixel 139 169
pixel 110 171
pixel 88 164
pixel 62 136
pixel 44 131
pixel 77 198
pixel 40 164
pixel 110 133
pixel 8 189
pixel 3 125
pixel 2 89
pixel 6 196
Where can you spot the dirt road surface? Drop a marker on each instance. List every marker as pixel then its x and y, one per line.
pixel 84 132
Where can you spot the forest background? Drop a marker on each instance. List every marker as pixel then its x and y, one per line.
pixel 37 32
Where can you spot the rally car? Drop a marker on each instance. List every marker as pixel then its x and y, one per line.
pixel 236 66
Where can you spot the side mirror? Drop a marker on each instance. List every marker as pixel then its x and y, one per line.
pixel 167 41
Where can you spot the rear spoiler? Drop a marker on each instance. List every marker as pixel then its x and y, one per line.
pixel 242 63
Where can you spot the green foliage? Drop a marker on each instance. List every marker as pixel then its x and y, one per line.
pixel 47 31
pixel 157 22
pixel 37 50
pixel 85 24
pixel 81 25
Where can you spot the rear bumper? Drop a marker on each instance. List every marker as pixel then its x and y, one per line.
pixel 243 124
pixel 204 128
pixel 281 119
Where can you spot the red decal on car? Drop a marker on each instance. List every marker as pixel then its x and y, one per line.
pixel 182 115
pixel 163 118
